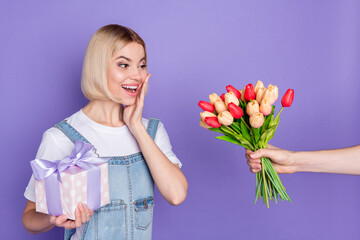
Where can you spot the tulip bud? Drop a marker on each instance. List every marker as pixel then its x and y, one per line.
pixel 230 88
pixel 288 98
pixel 206 106
pixel 252 107
pixel 212 122
pixel 225 118
pixel 265 107
pixel 259 84
pixel 220 106
pixel 260 94
pixel 242 92
pixel 205 114
pixel 249 92
pixel 203 124
pixel 213 98
pixel 230 97
pixel 235 110
pixel 256 120
pixel 223 97
pixel 271 94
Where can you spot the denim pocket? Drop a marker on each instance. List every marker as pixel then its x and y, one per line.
pixel 144 212
pixel 111 222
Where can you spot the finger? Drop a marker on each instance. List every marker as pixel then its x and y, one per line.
pixel 254 165
pixel 262 153
pixel 91 212
pixel 254 170
pixel 69 224
pixel 144 88
pixel 77 221
pixel 59 221
pixel 87 214
pixel 83 213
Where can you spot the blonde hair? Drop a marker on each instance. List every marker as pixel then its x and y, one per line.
pixel 102 46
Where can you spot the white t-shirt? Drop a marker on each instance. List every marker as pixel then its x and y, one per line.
pixel 108 141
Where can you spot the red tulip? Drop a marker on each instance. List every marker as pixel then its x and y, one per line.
pixel 249 92
pixel 223 97
pixel 234 90
pixel 288 98
pixel 212 122
pixel 206 106
pixel 235 111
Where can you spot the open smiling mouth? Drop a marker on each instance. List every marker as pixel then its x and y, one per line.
pixel 131 89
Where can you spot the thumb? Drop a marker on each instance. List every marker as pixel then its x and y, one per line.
pixel 263 153
pixel 61 219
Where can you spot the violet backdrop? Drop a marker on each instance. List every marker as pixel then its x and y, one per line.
pixel 196 48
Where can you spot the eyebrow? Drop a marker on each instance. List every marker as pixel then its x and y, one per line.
pixel 128 59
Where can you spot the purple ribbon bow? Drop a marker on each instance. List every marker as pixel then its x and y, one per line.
pixel 49 171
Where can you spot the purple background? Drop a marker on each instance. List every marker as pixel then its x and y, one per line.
pixel 196 48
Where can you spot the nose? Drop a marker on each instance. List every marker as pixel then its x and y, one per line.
pixel 135 74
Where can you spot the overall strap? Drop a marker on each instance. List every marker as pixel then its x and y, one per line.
pixel 70 132
pixel 152 127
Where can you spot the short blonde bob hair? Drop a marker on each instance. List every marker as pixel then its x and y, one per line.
pixel 102 46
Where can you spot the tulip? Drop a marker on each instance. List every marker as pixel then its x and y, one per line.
pixel 235 110
pixel 242 92
pixel 259 84
pixel 223 97
pixel 271 94
pixel 203 124
pixel 257 120
pixel 260 94
pixel 249 92
pixel 205 114
pixel 225 118
pixel 288 98
pixel 206 106
pixel 252 107
pixel 265 107
pixel 220 106
pixel 213 98
pixel 230 88
pixel 231 98
pixel 212 122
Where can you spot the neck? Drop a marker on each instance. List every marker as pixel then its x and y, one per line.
pixel 105 112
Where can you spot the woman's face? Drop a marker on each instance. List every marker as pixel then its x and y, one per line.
pixel 127 72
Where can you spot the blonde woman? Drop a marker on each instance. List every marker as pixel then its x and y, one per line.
pixel 115 80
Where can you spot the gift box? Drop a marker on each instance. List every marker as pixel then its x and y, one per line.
pixel 80 177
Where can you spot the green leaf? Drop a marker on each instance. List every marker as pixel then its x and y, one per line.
pixel 232 140
pixel 236 127
pixel 245 131
pixel 267 135
pixel 256 132
pixel 216 130
pixel 227 130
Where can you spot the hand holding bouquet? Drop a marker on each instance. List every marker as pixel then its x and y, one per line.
pixel 246 117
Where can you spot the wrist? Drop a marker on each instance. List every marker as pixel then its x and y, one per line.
pixel 137 129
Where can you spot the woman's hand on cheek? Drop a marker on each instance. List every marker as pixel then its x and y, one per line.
pixel 133 113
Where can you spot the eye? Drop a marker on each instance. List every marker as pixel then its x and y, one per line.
pixel 143 66
pixel 123 65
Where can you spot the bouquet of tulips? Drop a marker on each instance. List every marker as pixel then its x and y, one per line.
pixel 246 117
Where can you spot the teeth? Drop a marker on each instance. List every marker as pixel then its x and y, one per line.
pixel 130 87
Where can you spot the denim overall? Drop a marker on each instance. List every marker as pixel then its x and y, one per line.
pixel 130 212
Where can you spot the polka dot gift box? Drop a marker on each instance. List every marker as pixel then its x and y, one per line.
pixel 80 177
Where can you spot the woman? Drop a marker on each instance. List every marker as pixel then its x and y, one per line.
pixel 114 74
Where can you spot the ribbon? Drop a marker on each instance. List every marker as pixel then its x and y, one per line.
pixel 49 171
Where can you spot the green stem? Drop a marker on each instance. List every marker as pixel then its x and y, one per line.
pixel 242 119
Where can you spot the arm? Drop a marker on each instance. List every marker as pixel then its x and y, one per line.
pixel 342 161
pixel 35 222
pixel 167 176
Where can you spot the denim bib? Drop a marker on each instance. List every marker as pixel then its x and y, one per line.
pixel 130 212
